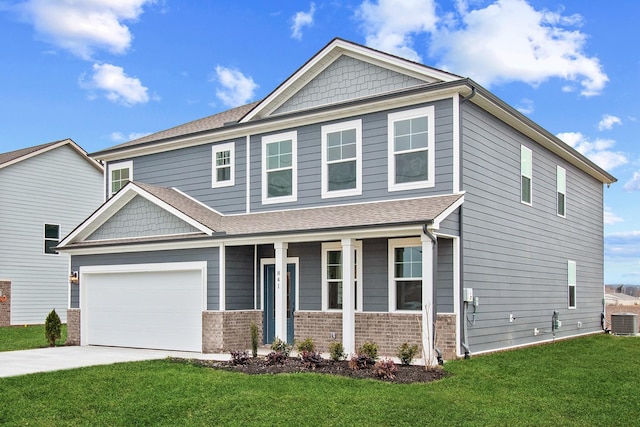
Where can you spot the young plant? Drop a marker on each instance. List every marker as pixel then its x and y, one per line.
pixel 336 351
pixel 311 359
pixel 306 346
pixel 52 327
pixel 360 361
pixel 254 339
pixel 239 357
pixel 406 353
pixel 280 346
pixel 370 349
pixel 385 369
pixel 276 358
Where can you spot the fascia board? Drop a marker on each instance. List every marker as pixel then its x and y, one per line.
pixel 445 214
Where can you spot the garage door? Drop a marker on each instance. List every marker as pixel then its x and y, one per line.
pixel 143 309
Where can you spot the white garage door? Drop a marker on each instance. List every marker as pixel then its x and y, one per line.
pixel 143 309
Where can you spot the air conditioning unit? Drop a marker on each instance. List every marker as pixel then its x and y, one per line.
pixel 624 323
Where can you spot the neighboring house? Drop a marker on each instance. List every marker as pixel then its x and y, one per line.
pixel 367 198
pixel 44 192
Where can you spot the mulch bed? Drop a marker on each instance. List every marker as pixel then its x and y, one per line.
pixel 404 375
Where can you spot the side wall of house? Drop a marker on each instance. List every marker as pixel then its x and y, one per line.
pixel 57 187
pixel 515 256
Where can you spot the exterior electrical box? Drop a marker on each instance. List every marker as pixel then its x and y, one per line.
pixel 467 295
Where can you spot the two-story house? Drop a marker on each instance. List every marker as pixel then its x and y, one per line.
pixel 367 198
pixel 45 191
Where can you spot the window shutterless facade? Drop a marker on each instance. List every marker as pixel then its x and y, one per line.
pixel 223 170
pixel 119 174
pixel 405 274
pixel 279 168
pixel 332 276
pixel 51 238
pixel 342 159
pixel 561 191
pixel 572 283
pixel 411 162
pixel 526 174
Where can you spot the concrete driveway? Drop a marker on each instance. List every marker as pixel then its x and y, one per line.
pixel 14 363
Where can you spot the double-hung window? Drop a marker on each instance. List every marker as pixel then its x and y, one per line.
pixel 342 159
pixel 405 274
pixel 526 174
pixel 223 171
pixel 279 168
pixel 51 238
pixel 561 191
pixel 411 149
pixel 119 174
pixel 571 282
pixel 332 276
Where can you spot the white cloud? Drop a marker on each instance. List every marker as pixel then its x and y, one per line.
pixel 120 137
pixel 83 26
pixel 610 217
pixel 511 41
pixel 634 183
pixel 525 106
pixel 390 25
pixel 118 87
pixel 597 151
pixel 235 88
pixel 624 245
pixel 300 20
pixel 608 121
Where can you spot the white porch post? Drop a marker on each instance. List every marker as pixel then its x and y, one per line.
pixel 281 290
pixel 427 300
pixel 348 296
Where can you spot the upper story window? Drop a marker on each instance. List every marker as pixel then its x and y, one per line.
pixel 223 160
pixel 279 168
pixel 572 282
pixel 332 276
pixel 119 174
pixel 51 238
pixel 561 191
pixel 342 159
pixel 405 274
pixel 411 150
pixel 526 174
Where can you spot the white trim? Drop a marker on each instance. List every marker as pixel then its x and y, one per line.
pixel 248 174
pixel 561 188
pixel 222 271
pixel 526 173
pixel 45 238
pixel 280 137
pixel 339 127
pixel 219 148
pixel 532 343
pixel 337 246
pixel 117 166
pixel 445 214
pixel 429 112
pixel 456 143
pixel 272 261
pixel 400 243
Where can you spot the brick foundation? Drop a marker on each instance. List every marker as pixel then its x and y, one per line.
pixel 224 331
pixel 446 335
pixel 389 331
pixel 318 326
pixel 5 302
pixel 73 326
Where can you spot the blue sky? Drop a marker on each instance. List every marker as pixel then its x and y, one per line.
pixel 106 71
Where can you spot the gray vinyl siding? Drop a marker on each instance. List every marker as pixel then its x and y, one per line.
pixel 451 225
pixel 210 255
pixel 375 265
pixel 309 274
pixel 444 277
pixel 515 255
pixel 56 187
pixel 239 278
pixel 190 170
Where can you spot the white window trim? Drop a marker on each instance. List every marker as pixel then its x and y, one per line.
pixel 293 136
pixel 400 243
pixel 338 127
pixel 571 265
pixel 116 166
pixel 337 246
pixel 45 238
pixel 391 164
pixel 560 171
pixel 524 149
pixel 231 148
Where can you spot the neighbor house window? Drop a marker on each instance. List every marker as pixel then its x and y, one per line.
pixel 51 238
pixel 411 149
pixel 279 168
pixel 571 280
pixel 223 174
pixel 332 276
pixel 526 173
pixel 342 159
pixel 119 174
pixel 405 271
pixel 561 191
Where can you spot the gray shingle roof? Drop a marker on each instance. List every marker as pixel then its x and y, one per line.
pixel 13 155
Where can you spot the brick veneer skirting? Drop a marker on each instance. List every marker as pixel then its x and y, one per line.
pixel 73 326
pixel 224 331
pixel 389 331
pixel 318 326
pixel 5 302
pixel 446 335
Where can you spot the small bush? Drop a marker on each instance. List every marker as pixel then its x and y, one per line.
pixel 336 351
pixel 406 353
pixel 254 339
pixel 276 358
pixel 239 357
pixel 360 361
pixel 385 369
pixel 280 346
pixel 52 328
pixel 307 345
pixel 311 359
pixel 370 349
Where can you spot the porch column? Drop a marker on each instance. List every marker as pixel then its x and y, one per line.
pixel 427 300
pixel 348 296
pixel 281 290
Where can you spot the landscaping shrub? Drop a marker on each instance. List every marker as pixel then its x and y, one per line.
pixel 406 353
pixel 311 359
pixel 239 357
pixel 370 349
pixel 254 339
pixel 52 328
pixel 385 369
pixel 306 346
pixel 276 358
pixel 360 361
pixel 280 346
pixel 336 351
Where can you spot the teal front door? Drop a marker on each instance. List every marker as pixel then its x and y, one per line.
pixel 269 278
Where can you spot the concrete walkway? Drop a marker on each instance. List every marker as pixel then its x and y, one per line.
pixel 14 363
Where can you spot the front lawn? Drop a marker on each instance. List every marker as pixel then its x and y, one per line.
pixel 27 337
pixel 592 381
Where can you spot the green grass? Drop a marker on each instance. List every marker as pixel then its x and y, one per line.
pixel 590 381
pixel 27 337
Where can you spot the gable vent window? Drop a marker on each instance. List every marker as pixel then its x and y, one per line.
pixel 51 238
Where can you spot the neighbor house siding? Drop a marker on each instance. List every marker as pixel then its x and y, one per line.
pixel 515 255
pixel 57 187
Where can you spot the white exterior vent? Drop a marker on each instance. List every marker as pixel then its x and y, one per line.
pixel 624 323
